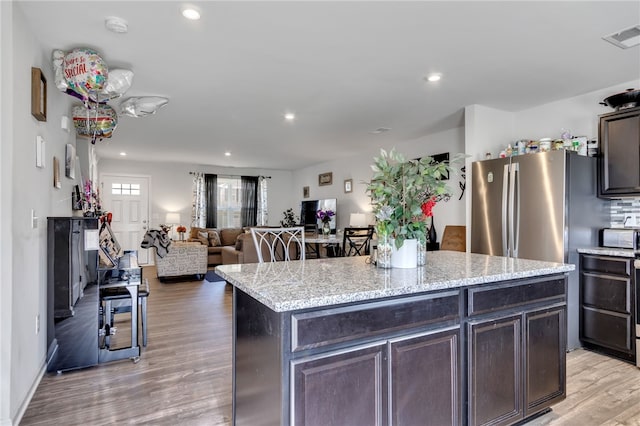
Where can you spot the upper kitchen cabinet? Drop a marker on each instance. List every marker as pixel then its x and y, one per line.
pixel 619 170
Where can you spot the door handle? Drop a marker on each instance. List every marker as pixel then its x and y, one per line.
pixel 516 212
pixel 505 191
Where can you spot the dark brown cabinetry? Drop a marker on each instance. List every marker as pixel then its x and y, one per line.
pixel 516 359
pixel 619 168
pixel 416 360
pixel 607 304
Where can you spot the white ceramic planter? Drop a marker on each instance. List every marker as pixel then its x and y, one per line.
pixel 406 256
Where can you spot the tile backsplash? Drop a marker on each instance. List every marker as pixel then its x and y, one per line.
pixel 625 209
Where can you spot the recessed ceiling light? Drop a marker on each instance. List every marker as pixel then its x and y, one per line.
pixel 191 12
pixel 123 154
pixel 434 77
pixel 227 154
pixel 289 116
pixel 116 25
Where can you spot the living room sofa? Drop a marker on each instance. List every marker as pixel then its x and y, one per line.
pixel 215 240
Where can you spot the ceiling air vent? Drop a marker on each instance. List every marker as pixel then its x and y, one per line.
pixel 626 38
pixel 380 130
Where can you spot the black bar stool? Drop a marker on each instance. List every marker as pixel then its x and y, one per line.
pixel 118 294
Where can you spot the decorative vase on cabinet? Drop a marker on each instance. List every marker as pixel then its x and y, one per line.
pixel 326 229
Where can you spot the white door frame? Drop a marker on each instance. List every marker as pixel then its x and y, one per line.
pixel 131 175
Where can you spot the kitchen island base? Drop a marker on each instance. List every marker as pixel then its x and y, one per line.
pixel 481 354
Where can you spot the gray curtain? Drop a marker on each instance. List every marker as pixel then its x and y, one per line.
pixel 210 195
pixel 249 199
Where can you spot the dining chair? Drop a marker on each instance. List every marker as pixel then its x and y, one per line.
pixel 454 238
pixel 276 244
pixel 356 241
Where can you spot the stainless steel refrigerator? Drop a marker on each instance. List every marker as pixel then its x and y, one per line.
pixel 538 206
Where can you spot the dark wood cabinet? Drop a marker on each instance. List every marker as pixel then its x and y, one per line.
pixel 425 365
pixel 516 358
pixel 607 305
pixel 486 354
pixel 495 362
pixel 345 385
pixel 619 166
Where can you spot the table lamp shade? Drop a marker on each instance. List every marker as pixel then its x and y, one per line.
pixel 357 220
pixel 172 218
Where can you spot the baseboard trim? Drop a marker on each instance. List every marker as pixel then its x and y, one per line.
pixel 27 400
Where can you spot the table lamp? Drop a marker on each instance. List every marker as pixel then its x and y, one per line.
pixel 357 220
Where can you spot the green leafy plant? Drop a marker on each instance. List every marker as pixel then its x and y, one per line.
pixel 403 192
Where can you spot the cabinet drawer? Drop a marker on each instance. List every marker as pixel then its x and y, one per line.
pixel 606 329
pixel 331 326
pixel 606 292
pixel 607 265
pixel 490 299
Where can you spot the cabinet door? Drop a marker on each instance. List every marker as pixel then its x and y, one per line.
pixel 545 343
pixel 425 379
pixel 495 376
pixel 620 165
pixel 340 388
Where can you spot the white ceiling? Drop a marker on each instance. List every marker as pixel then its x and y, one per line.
pixel 344 68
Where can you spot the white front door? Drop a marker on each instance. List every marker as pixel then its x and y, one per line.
pixel 127 198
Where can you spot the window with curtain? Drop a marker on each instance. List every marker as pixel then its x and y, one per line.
pixel 229 202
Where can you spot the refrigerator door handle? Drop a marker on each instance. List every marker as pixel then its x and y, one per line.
pixel 505 211
pixel 512 177
pixel 515 213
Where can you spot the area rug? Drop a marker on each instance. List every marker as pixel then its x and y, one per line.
pixel 212 277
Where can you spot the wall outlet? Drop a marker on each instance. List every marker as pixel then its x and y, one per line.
pixel 37 323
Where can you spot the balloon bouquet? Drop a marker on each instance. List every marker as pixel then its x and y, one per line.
pixel 83 74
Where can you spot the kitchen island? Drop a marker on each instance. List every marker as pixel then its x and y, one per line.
pixel 467 339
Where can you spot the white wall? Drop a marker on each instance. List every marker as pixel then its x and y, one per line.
pixel 6 259
pixel 25 187
pixel 171 186
pixel 358 168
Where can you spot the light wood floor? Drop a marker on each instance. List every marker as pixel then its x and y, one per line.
pixel 184 375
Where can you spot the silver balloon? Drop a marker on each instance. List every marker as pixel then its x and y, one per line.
pixel 58 69
pixel 142 106
pixel 118 82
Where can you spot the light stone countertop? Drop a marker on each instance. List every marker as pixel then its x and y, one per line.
pixel 288 286
pixel 608 251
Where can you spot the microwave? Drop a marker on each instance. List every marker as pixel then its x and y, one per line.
pixel 626 238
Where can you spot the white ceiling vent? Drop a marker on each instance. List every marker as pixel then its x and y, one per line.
pixel 626 38
pixel 380 130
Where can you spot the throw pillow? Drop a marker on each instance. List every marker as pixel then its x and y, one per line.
pixel 214 238
pixel 203 237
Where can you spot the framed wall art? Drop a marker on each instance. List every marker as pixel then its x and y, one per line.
pixel 40 151
pixel 305 192
pixel 56 173
pixel 38 94
pixel 348 185
pixel 325 178
pixel 70 161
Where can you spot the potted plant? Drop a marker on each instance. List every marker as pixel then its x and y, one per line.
pixel 403 192
pixel 289 219
pixel 325 217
